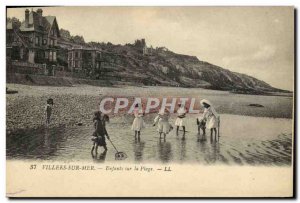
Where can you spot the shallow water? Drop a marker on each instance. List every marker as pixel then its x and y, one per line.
pixel 243 140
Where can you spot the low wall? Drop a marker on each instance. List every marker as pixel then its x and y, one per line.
pixel 28 79
pixel 25 68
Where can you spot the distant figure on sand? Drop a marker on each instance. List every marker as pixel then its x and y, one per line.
pixel 138 122
pixel 180 120
pixel 211 116
pixel 162 121
pixel 48 110
pixel 100 131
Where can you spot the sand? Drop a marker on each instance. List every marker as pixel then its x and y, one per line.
pixel 73 105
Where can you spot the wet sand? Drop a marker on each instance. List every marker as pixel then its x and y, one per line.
pixel 244 140
pixel 25 110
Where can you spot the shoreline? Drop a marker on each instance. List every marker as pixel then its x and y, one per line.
pixel 72 105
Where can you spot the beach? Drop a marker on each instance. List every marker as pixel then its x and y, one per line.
pixel 248 135
pixel 73 105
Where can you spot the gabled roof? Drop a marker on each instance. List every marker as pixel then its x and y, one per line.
pixel 50 19
pixel 34 22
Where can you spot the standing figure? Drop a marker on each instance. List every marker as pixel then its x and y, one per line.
pixel 138 122
pixel 100 132
pixel 162 121
pixel 180 120
pixel 211 116
pixel 201 123
pixel 48 110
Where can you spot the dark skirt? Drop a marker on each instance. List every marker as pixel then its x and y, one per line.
pixel 100 141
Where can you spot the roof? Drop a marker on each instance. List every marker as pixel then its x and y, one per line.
pixel 34 22
pixel 50 19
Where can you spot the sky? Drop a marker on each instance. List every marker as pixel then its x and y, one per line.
pixel 257 41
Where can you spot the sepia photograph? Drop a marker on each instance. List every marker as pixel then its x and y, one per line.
pixel 150 90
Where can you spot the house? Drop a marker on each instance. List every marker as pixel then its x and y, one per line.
pixel 84 59
pixel 35 41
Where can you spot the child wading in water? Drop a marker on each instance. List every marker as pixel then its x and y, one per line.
pixel 138 122
pixel 201 123
pixel 48 110
pixel 162 119
pixel 180 120
pixel 211 116
pixel 100 132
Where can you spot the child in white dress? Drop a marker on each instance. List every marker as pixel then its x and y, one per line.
pixel 180 120
pixel 162 121
pixel 211 116
pixel 138 122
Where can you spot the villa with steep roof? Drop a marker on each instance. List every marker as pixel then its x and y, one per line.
pixel 35 41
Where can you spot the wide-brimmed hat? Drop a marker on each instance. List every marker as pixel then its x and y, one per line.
pixel 205 101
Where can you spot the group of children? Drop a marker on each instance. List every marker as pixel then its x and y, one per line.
pixel 208 120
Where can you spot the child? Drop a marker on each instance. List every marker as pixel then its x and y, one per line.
pixel 100 131
pixel 211 116
pixel 162 119
pixel 48 110
pixel 138 122
pixel 180 120
pixel 201 124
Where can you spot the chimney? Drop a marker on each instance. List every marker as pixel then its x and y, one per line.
pixel 40 12
pixel 26 18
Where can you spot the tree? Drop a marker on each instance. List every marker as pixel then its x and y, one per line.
pixel 65 34
pixel 77 39
pixel 16 23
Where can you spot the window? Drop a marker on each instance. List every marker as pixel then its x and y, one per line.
pixel 54 56
pixel 37 41
pixel 21 53
pixel 50 55
pixel 45 41
pixel 70 55
pixel 76 54
pixel 46 54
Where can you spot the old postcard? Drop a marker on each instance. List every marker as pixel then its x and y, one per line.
pixel 150 101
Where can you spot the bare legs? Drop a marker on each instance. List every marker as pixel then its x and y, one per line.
pixel 203 130
pixel 137 135
pixel 163 134
pixel 211 133
pixel 183 129
pixel 95 147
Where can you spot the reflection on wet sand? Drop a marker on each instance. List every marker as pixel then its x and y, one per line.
pixel 30 143
pixel 165 151
pixel 235 146
pixel 138 147
pixel 101 158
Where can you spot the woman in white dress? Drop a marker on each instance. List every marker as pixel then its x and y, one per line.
pixel 180 120
pixel 138 122
pixel 162 121
pixel 211 116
